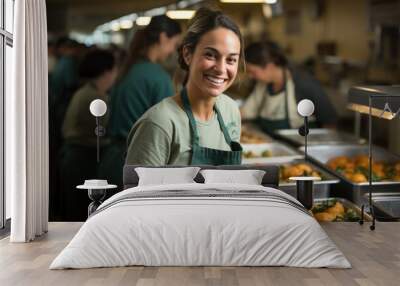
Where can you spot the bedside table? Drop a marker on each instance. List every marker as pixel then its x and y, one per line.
pixel 96 191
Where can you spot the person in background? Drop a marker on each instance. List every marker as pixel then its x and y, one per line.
pixel 141 84
pixel 63 82
pixel 64 79
pixel 79 152
pixel 51 57
pixel 119 53
pixel 279 87
pixel 200 125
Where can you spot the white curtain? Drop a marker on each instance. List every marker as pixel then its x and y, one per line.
pixel 27 124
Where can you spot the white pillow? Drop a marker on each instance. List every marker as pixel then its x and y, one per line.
pixel 166 176
pixel 248 177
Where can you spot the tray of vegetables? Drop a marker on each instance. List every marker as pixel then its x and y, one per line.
pixel 350 163
pixel 337 210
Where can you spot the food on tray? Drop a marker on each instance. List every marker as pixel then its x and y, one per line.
pixel 252 154
pixel 324 216
pixel 356 169
pixel 332 210
pixel 297 170
pixel 248 137
pixel 266 153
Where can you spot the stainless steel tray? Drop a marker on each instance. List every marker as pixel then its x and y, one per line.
pixel 387 204
pixel 252 128
pixel 318 136
pixel 327 177
pixel 322 154
pixel 280 152
pixel 347 204
pixel 346 188
pixel 321 188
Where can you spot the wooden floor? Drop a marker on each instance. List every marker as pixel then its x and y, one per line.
pixel 375 257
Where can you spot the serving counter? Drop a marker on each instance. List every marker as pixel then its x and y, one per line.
pixel 353 171
pixel 325 146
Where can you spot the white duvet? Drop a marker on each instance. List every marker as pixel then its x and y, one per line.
pixel 183 231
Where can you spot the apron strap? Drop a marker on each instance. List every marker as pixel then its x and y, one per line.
pixel 285 96
pixel 286 101
pixel 192 120
pixel 228 138
pixel 189 113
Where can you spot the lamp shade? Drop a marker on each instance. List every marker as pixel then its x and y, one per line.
pixel 98 107
pixel 305 107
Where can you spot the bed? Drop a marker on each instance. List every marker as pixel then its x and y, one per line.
pixel 199 224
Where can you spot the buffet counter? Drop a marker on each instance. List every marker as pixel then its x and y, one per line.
pixel 339 159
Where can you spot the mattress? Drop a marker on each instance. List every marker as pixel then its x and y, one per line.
pixel 201 225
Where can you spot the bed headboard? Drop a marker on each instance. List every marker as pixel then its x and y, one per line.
pixel 270 179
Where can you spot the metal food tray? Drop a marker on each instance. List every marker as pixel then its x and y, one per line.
pixel 348 205
pixel 346 188
pixel 279 151
pixel 318 136
pixel 321 188
pixel 387 206
pixel 252 128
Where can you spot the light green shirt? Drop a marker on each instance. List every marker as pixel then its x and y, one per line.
pixel 79 123
pixel 145 85
pixel 162 135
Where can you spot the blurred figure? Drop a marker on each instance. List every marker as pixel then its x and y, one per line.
pixel 51 57
pixel 279 87
pixel 141 84
pixel 79 152
pixel 119 54
pixel 63 81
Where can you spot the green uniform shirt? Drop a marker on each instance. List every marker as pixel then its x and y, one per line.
pixel 64 79
pixel 162 135
pixel 145 85
pixel 79 123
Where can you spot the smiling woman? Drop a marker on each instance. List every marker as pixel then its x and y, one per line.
pixel 200 125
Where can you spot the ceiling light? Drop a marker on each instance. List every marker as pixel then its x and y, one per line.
pixel 250 1
pixel 181 14
pixel 156 11
pixel 126 24
pixel 267 11
pixel 143 21
pixel 115 26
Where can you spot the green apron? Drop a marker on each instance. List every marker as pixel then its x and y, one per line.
pixel 269 126
pixel 209 156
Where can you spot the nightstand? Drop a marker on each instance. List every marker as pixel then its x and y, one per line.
pixel 96 191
